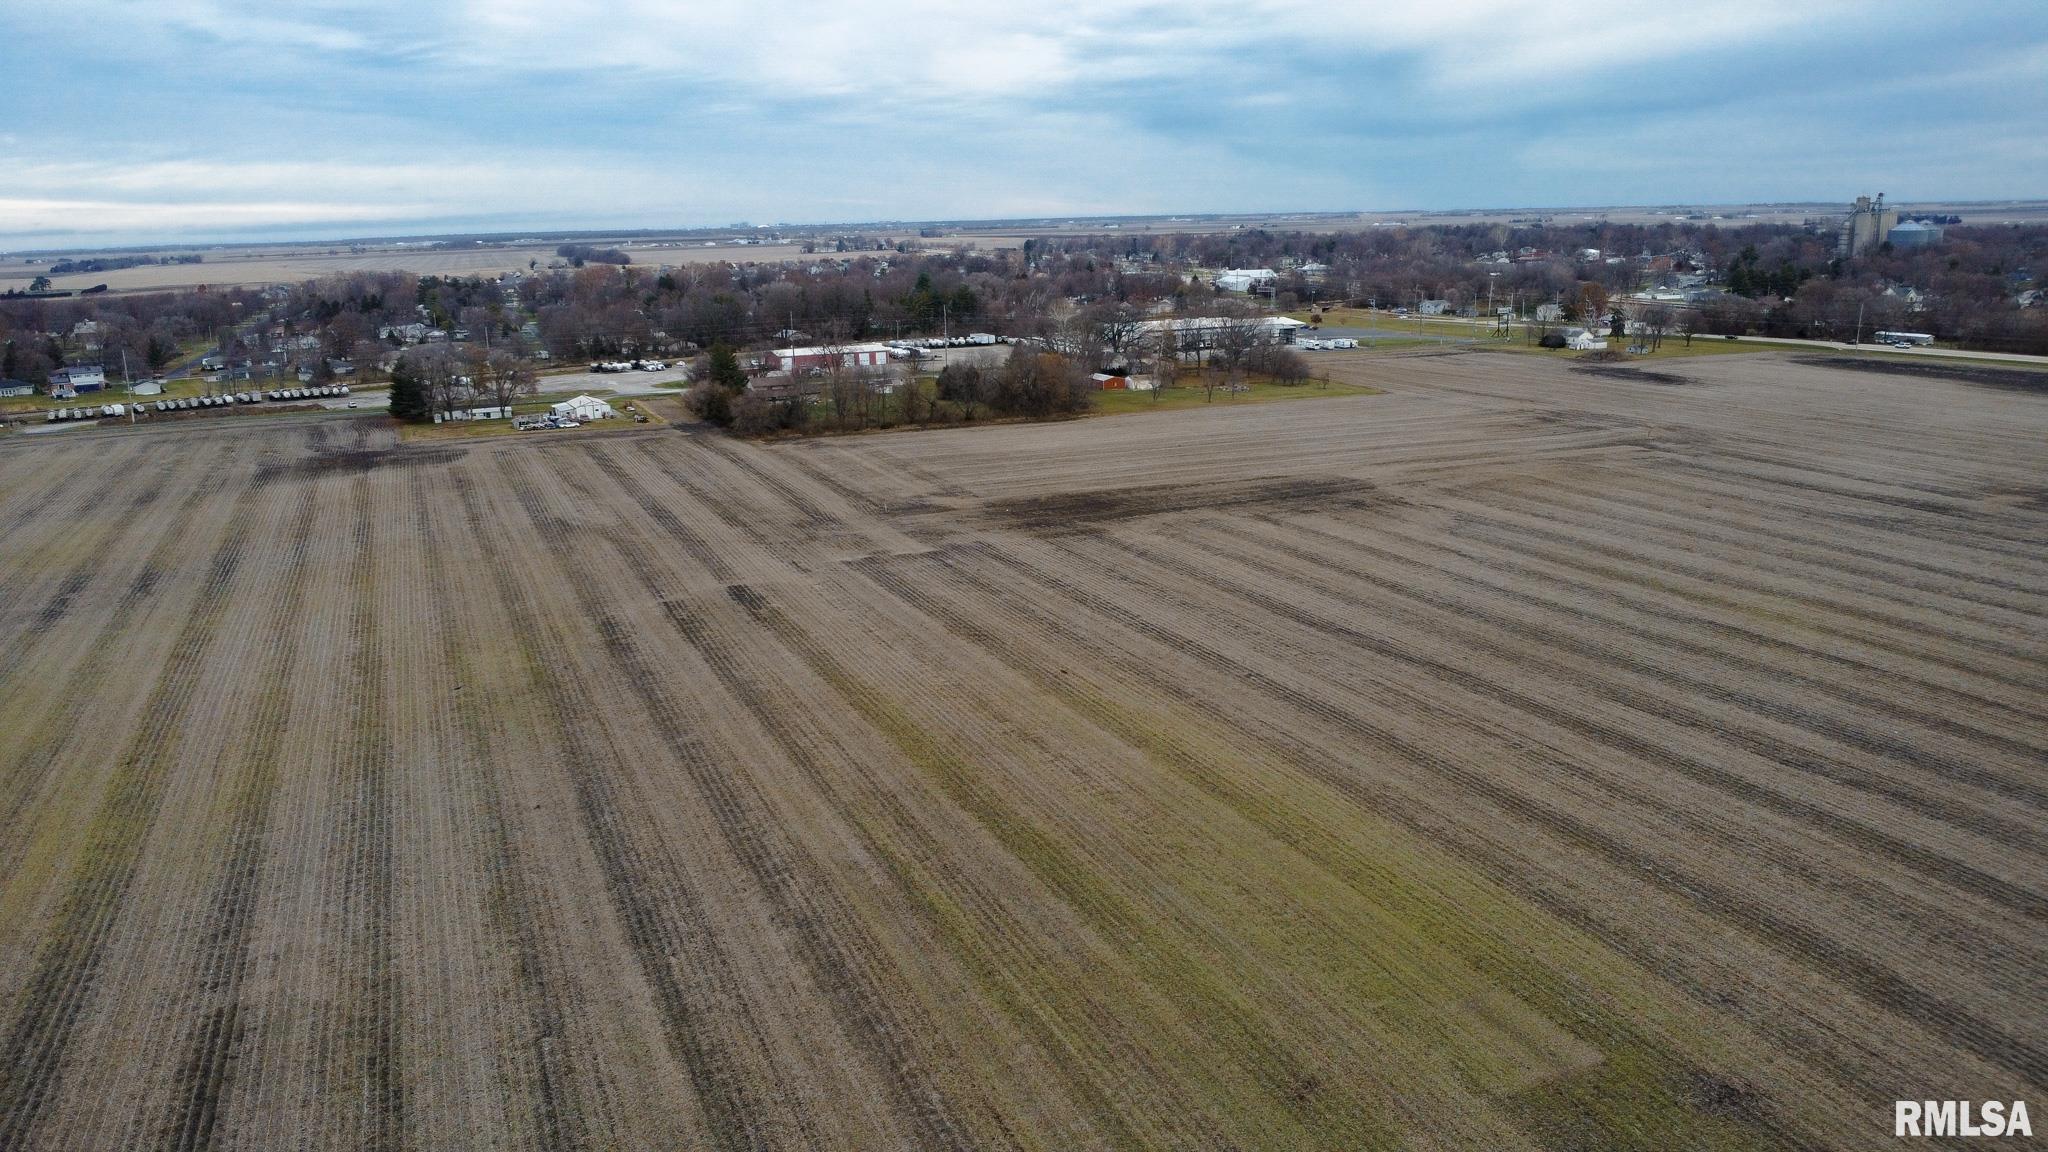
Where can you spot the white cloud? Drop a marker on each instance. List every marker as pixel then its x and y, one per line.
pixel 657 112
pixel 29 217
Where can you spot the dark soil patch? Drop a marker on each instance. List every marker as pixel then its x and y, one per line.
pixel 1725 1098
pixel 1639 375
pixel 2008 379
pixel 1076 511
pixel 350 461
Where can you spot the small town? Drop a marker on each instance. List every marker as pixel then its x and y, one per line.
pixel 1258 303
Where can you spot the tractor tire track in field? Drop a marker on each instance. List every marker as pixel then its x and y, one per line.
pixel 1205 1006
pixel 84 576
pixel 1626 740
pixel 1778 751
pixel 1736 638
pixel 814 515
pixel 558 1111
pixel 665 517
pixel 1527 977
pixel 1742 537
pixel 66 968
pixel 802 897
pixel 661 924
pixel 1504 521
pixel 211 1039
pixel 770 543
pixel 103 533
pixel 1964 1029
pixel 1955 610
pixel 27 506
pixel 368 1067
pixel 720 655
pixel 1338 773
pixel 1700 591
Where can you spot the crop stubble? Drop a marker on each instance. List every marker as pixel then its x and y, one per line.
pixel 1522 758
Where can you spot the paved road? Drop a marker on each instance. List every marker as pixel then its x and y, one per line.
pixel 1839 346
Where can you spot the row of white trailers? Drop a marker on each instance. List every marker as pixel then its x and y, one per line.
pixel 104 411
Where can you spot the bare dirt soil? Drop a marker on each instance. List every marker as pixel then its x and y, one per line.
pixel 1521 759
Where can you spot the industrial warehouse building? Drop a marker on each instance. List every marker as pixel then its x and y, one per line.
pixel 817 359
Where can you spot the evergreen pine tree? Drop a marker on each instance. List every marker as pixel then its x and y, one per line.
pixel 725 369
pixel 409 400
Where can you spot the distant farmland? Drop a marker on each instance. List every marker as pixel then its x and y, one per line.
pixel 1520 759
pixel 239 267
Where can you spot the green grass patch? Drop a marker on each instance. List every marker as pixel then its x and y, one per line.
pixel 1192 395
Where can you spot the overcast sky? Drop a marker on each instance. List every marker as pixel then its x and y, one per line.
pixel 179 120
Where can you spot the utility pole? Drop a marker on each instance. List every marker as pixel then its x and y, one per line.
pixel 1859 323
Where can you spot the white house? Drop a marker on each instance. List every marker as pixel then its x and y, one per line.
pixel 1433 307
pixel 584 409
pixel 1583 341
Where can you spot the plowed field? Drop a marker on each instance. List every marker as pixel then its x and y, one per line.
pixel 1524 758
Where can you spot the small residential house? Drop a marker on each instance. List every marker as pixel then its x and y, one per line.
pixel 1549 313
pixel 1433 307
pixel 1580 340
pixel 76 379
pixel 584 409
pixel 16 388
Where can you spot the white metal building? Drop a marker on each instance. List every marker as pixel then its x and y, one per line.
pixel 583 409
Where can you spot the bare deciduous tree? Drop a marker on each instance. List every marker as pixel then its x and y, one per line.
pixel 1657 320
